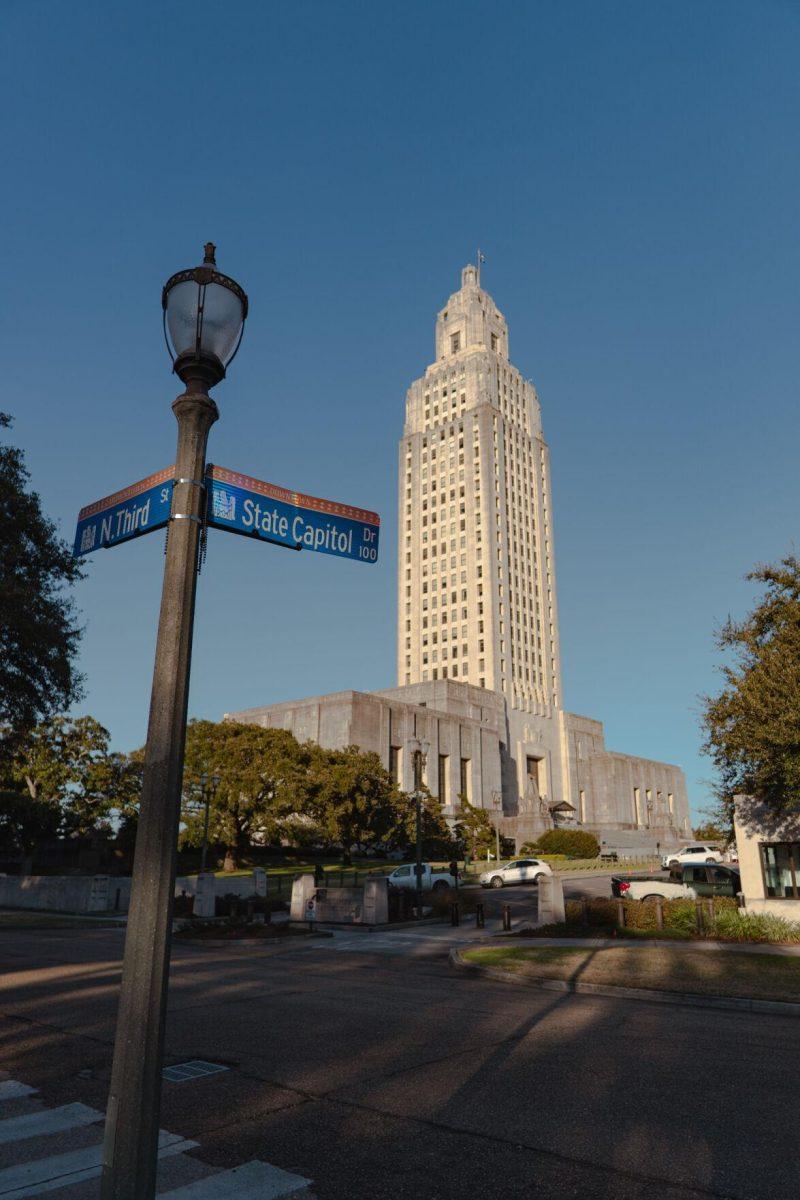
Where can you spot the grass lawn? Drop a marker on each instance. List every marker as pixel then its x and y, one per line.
pixel 13 919
pixel 704 972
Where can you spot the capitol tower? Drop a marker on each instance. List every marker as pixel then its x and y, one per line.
pixel 477 595
pixel 478 662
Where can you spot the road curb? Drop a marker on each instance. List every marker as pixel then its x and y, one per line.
pixel 784 1008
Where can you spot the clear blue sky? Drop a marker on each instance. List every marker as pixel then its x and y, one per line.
pixel 631 171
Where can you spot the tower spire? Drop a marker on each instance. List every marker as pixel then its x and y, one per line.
pixel 481 259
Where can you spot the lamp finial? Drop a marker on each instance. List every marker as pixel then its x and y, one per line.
pixel 209 252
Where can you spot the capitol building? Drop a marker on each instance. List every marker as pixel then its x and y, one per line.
pixel 478 659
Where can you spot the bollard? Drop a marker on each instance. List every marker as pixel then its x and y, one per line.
pixel 507 918
pixel 621 914
pixel 660 912
pixel 698 909
pixel 710 913
pixel 455 916
pixel 480 921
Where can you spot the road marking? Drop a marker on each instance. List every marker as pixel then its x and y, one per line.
pixel 252 1181
pixel 10 1089
pixel 47 1174
pixel 53 1120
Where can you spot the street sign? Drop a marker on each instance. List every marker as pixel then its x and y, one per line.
pixel 127 514
pixel 239 504
pixel 252 507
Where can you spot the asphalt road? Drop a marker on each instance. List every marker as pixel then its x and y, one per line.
pixel 523 898
pixel 383 1075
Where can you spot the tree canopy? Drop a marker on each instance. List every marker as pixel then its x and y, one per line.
pixel 273 788
pixel 263 778
pixel 475 829
pixel 38 633
pixel 62 779
pixel 752 727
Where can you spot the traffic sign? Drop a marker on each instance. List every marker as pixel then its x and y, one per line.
pixel 127 514
pixel 252 507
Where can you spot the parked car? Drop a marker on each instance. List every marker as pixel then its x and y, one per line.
pixel 521 870
pixel 691 854
pixel 433 879
pixel 696 879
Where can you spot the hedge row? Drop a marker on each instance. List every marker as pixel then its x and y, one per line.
pixel 721 919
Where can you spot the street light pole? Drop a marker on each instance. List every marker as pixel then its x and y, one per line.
pixel 209 787
pixel 419 750
pixel 130 1147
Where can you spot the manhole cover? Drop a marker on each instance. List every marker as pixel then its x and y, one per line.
pixel 195 1069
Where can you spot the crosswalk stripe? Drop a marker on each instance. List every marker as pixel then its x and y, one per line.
pixel 58 1170
pixel 53 1120
pixel 252 1181
pixel 10 1089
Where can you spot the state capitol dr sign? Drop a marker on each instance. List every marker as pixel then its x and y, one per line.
pixel 240 504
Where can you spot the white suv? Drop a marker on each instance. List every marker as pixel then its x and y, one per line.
pixel 691 854
pixel 521 870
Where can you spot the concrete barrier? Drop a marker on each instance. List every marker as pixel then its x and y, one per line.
pixel 66 893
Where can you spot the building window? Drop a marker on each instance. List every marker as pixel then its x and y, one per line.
pixel 781 865
pixel 455 343
pixel 394 763
pixel 441 782
pixel 465 790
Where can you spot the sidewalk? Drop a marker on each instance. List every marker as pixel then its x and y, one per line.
pixel 624 943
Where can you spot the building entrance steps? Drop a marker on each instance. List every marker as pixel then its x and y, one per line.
pixel 59 1150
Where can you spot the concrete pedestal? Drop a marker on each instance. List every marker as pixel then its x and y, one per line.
pixel 303 890
pixel 376 900
pixel 205 898
pixel 551 900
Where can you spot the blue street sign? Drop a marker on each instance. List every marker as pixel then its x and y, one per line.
pixel 126 514
pixel 245 505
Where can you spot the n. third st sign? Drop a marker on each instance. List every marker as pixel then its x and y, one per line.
pixel 125 514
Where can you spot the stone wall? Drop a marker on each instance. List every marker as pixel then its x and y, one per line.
pixel 66 893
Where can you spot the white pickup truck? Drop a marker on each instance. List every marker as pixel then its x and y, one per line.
pixel 432 880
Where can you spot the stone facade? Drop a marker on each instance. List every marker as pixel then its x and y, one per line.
pixel 478 657
pixel 461 724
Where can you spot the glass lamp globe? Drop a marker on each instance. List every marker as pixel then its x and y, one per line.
pixel 204 316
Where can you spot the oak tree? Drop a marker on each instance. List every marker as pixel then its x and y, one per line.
pixel 38 631
pixel 752 726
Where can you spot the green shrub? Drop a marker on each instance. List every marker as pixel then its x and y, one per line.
pixel 734 926
pixel 573 843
